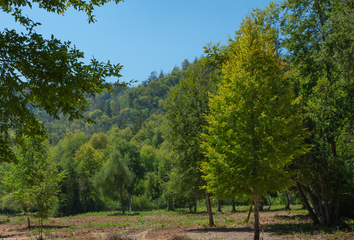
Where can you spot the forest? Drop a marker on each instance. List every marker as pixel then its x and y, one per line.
pixel 267 116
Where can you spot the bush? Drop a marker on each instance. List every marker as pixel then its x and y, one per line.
pixel 142 203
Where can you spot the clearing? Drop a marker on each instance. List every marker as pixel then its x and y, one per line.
pixel 161 224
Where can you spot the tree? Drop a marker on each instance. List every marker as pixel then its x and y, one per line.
pixel 317 36
pixel 114 175
pixel 255 125
pixel 44 73
pixel 64 154
pixel 87 163
pixel 99 140
pixel 34 182
pixel 186 105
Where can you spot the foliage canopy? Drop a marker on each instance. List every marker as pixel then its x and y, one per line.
pixel 44 73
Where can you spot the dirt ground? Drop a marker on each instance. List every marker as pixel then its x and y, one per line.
pixel 164 225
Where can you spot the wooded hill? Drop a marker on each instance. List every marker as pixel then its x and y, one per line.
pixel 130 120
pixel 271 110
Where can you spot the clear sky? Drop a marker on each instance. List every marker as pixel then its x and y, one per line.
pixel 144 35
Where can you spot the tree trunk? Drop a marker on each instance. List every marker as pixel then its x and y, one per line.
pixel 190 207
pixel 210 213
pixel 261 205
pixel 270 203
pixel 307 205
pixel 314 204
pixel 337 210
pixel 249 213
pixel 233 206
pixel 131 203
pixel 195 205
pixel 28 222
pixel 121 199
pixel 170 204
pixel 219 206
pixel 287 207
pixel 256 214
pixel 325 200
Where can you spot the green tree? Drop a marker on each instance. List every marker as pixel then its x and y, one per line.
pixel 44 73
pixel 114 175
pixel 63 154
pixel 87 162
pixel 318 40
pixel 99 140
pixel 186 105
pixel 148 158
pixel 34 182
pixel 255 126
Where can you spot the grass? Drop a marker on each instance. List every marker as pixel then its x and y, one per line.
pixel 287 224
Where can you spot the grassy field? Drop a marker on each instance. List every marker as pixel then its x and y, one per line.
pixel 179 224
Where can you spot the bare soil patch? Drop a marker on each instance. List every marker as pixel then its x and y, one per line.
pixel 170 225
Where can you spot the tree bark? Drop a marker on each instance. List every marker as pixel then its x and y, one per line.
pixel 210 213
pixel 287 207
pixel 233 206
pixel 170 204
pixel 325 199
pixel 307 205
pixel 121 199
pixel 219 206
pixel 190 207
pixel 195 205
pixel 261 205
pixel 256 214
pixel 337 210
pixel 28 222
pixel 249 213
pixel 131 203
pixel 270 203
pixel 314 205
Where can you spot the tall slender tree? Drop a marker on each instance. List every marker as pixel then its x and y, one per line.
pixel 34 182
pixel 186 105
pixel 254 126
pixel 112 179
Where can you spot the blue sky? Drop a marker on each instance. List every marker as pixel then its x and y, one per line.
pixel 144 35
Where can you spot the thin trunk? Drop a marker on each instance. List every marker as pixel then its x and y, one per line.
pixel 287 207
pixel 256 214
pixel 28 222
pixel 307 205
pixel 270 203
pixel 321 211
pixel 314 205
pixel 325 200
pixel 333 147
pixel 314 200
pixel 233 206
pixel 261 205
pixel 249 213
pixel 210 213
pixel 190 206
pixel 170 204
pixel 337 210
pixel 219 206
pixel 121 199
pixel 131 203
pixel 195 205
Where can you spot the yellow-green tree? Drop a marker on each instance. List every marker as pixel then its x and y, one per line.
pixel 255 125
pixel 34 182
